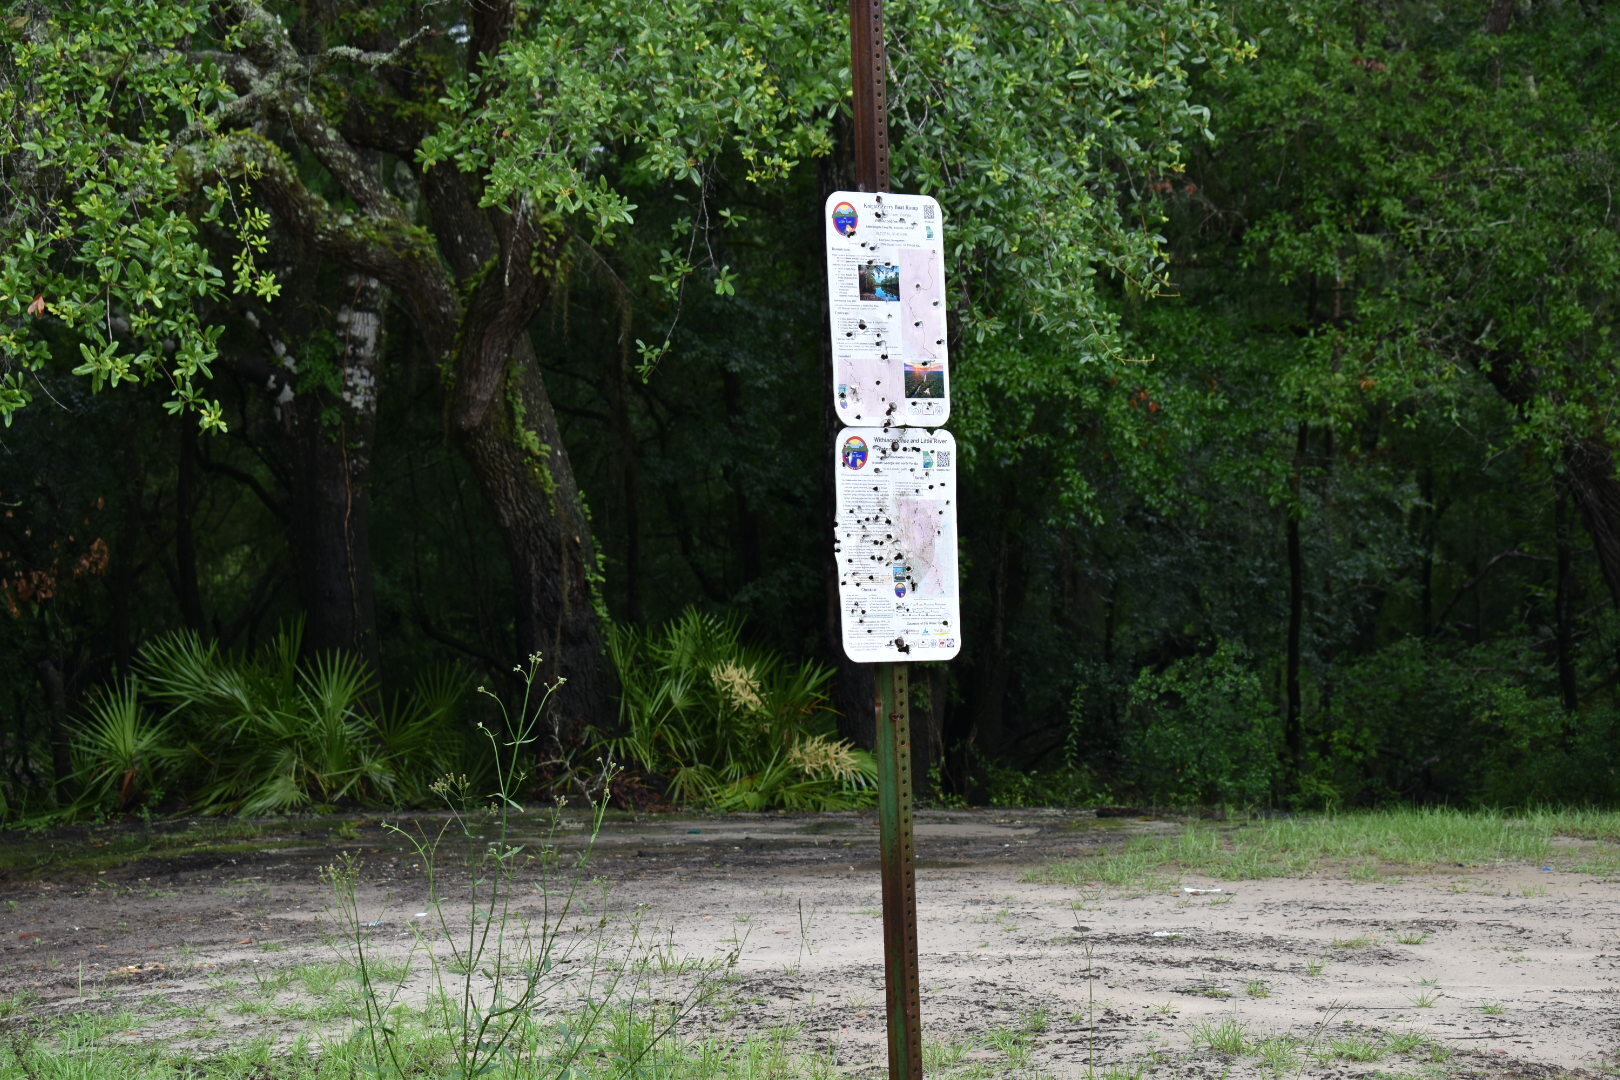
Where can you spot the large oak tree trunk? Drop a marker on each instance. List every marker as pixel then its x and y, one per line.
pixel 516 452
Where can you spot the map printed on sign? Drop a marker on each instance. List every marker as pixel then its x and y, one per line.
pixel 895 542
pixel 886 286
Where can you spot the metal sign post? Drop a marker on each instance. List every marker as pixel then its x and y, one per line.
pixel 897 858
pixel 895 523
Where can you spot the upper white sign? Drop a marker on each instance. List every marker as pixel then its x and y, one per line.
pixel 886 288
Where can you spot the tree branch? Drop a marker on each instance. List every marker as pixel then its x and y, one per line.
pixel 386 247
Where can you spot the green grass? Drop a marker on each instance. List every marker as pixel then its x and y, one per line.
pixel 1362 1048
pixel 1229 1035
pixel 1278 1055
pixel 1360 845
pixel 78 1047
pixel 1360 942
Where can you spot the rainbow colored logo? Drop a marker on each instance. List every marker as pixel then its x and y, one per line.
pixel 844 218
pixel 855 452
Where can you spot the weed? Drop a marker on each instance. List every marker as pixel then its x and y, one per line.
pixel 271 982
pixel 1314 968
pixel 1425 999
pixel 493 974
pixel 1257 988
pixel 1228 1035
pixel 806 921
pixel 1278 1054
pixel 1013 1042
pixel 1492 1008
pixel 939 1056
pixel 1358 1047
pixel 1360 942
pixel 22 1003
pixel 320 979
pixel 1135 1070
pixel 1406 1042
pixel 1414 937
pixel 1036 1022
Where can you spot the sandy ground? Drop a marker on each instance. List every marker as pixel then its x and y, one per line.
pixel 1511 970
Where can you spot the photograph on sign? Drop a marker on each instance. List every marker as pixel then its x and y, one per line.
pixel 895 542
pixel 886 289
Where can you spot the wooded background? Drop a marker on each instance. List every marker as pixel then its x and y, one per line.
pixel 1282 357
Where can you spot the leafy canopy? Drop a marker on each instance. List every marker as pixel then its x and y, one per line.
pixel 149 149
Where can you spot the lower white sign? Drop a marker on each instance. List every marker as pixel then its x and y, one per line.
pixel 895 541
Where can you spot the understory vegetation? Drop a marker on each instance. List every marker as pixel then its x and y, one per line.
pixel 714 722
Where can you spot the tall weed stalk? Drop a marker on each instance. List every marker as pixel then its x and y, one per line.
pixel 509 990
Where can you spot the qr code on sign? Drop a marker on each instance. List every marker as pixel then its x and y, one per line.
pixel 928 211
pixel 942 459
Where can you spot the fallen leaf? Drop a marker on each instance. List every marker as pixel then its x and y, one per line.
pixel 245 941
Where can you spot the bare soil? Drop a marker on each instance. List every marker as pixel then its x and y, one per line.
pixel 1513 969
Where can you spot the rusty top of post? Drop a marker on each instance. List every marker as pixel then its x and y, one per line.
pixel 868 65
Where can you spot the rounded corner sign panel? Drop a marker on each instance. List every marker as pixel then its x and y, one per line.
pixel 895 542
pixel 886 288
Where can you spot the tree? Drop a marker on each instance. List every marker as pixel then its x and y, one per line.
pixel 460 156
pixel 467 157
pixel 1393 351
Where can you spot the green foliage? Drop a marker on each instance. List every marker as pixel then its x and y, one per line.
pixel 730 725
pixel 1037 117
pixel 1464 725
pixel 264 733
pixel 286 735
pixel 1205 732
pixel 121 754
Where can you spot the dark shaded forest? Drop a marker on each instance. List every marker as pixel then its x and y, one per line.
pixel 351 355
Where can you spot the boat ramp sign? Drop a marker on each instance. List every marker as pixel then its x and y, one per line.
pixel 886 292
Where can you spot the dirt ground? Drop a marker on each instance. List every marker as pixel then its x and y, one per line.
pixel 1513 970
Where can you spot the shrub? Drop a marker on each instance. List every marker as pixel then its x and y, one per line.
pixel 1202 731
pixel 1427 720
pixel 263 733
pixel 729 725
